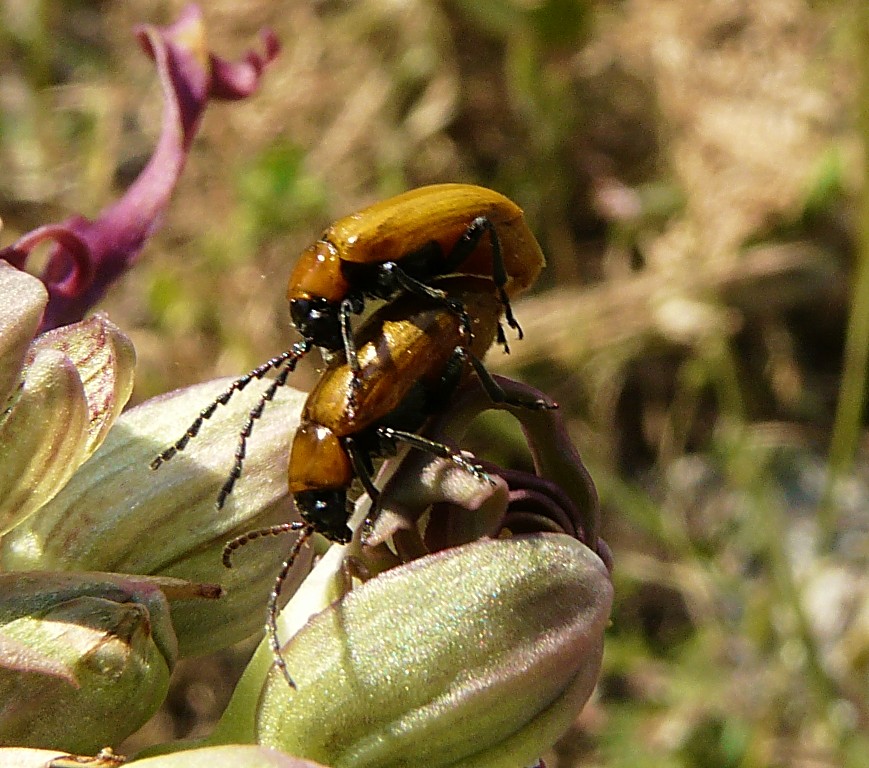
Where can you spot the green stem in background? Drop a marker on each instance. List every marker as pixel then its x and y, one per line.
pixel 849 411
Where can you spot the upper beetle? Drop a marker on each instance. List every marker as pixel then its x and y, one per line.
pixel 402 244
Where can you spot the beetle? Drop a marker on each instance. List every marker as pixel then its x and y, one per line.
pixel 401 244
pixel 412 354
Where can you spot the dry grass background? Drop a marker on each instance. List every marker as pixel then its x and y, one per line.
pixel 693 172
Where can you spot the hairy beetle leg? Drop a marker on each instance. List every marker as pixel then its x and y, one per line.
pixel 463 249
pixel 498 395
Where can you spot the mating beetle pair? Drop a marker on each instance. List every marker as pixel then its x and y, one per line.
pixel 453 254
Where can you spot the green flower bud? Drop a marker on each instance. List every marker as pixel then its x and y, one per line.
pixel 480 655
pixel 85 658
pixel 118 515
pixel 74 382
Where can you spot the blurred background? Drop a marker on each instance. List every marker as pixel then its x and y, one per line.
pixel 694 173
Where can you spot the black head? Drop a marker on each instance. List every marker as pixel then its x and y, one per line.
pixel 326 511
pixel 319 321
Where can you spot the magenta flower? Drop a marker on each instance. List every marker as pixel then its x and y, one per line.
pixel 88 256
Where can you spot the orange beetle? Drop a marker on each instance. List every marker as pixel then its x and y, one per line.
pixel 402 244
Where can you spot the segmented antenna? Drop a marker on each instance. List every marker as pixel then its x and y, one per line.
pixel 287 361
pixel 240 541
pixel 272 616
pixel 255 414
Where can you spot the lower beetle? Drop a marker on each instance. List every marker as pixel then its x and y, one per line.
pixel 412 354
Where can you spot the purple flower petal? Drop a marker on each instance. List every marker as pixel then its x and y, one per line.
pixel 231 81
pixel 89 255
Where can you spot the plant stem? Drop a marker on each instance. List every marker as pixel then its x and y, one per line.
pixel 852 393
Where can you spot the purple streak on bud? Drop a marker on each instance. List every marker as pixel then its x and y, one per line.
pixel 89 255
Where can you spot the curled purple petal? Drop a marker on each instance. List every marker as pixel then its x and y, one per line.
pixel 69 275
pixel 530 492
pixel 231 81
pixel 88 256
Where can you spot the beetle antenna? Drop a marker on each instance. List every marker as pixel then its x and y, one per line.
pixel 272 616
pixel 295 353
pixel 255 413
pixel 273 530
pixel 272 621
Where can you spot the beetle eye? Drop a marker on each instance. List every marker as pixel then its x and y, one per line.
pixel 318 319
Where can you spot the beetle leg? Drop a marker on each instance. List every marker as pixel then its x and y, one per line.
pixel 465 247
pixel 498 395
pixel 362 467
pixel 450 379
pixel 412 285
pixel 501 339
pixel 437 449
pixel 361 462
pixel 347 335
pixel 347 308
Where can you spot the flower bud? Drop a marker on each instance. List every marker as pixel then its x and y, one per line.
pixel 76 380
pixel 478 655
pixel 118 515
pixel 24 298
pixel 85 658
